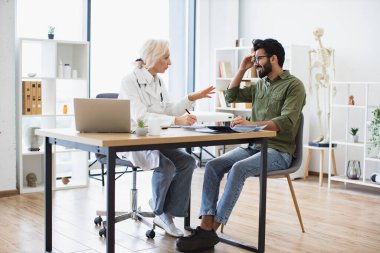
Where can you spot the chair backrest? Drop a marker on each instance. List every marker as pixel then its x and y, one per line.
pixel 107 95
pixel 296 164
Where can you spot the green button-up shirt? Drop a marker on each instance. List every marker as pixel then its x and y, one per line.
pixel 281 101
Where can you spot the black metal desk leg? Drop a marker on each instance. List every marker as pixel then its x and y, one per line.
pixel 48 196
pixel 186 224
pixel 263 195
pixel 111 157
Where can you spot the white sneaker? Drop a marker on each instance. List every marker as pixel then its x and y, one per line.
pixel 168 226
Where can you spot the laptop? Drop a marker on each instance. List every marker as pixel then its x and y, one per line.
pixel 101 115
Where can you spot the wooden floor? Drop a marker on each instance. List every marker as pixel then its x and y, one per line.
pixel 344 219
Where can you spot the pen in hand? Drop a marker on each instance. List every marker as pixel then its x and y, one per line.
pixel 191 118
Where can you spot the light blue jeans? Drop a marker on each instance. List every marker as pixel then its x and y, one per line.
pixel 239 163
pixel 171 182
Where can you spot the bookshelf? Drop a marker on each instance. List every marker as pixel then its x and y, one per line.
pixel 38 62
pixel 342 118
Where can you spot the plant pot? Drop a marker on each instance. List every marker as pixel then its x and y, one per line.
pixel 51 36
pixel 355 138
pixel 141 131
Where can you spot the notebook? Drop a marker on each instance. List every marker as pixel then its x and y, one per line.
pixel 101 115
pixel 235 129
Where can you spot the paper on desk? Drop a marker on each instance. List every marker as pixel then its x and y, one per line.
pixel 246 129
pixel 194 126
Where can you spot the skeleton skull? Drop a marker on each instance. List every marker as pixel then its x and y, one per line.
pixel 31 178
pixel 318 33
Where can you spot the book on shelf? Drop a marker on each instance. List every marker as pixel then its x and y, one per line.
pixel 225 69
pixel 39 98
pixel 26 98
pixel 222 99
pixel 34 97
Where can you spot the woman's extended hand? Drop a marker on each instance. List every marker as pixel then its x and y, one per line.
pixel 186 119
pixel 206 93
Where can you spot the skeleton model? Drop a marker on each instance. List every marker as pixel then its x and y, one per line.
pixel 321 71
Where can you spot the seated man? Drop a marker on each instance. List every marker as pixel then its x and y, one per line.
pixel 278 99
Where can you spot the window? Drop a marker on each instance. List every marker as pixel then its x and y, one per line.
pixel 67 16
pixel 118 30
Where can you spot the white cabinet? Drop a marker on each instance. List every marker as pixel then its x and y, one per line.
pixel 38 63
pixel 296 61
pixel 343 117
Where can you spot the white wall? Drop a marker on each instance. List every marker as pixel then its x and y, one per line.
pixel 351 29
pixel 217 26
pixel 7 96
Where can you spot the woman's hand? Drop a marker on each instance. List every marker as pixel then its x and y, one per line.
pixel 206 93
pixel 185 120
pixel 239 120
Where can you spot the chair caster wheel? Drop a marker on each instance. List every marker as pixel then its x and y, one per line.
pixel 98 221
pixel 103 232
pixel 150 234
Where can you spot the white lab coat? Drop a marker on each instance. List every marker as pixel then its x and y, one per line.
pixel 144 91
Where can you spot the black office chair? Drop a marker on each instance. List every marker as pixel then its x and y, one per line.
pixel 296 164
pixel 135 213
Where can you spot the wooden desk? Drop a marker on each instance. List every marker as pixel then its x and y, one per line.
pixel 109 144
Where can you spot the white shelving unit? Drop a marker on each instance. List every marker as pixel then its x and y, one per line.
pixel 42 57
pixel 296 61
pixel 342 118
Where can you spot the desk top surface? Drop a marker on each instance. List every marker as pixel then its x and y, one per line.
pixel 171 135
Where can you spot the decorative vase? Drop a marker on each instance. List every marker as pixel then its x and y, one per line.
pixel 33 142
pixel 141 131
pixel 51 36
pixel 353 169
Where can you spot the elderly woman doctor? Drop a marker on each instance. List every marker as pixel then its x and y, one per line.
pixel 173 168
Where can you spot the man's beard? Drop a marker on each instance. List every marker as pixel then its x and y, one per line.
pixel 263 71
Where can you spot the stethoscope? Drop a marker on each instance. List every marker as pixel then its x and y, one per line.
pixel 162 103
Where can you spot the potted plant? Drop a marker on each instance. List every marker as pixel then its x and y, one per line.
pixel 141 129
pixel 354 134
pixel 374 130
pixel 51 30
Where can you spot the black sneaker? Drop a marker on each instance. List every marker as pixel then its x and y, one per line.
pixel 199 240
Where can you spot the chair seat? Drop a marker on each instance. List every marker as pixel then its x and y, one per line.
pixel 282 172
pixel 120 162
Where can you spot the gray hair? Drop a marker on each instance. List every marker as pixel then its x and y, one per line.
pixel 151 52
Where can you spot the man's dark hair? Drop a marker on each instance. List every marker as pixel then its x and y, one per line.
pixel 271 47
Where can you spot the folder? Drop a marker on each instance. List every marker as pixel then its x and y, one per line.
pixel 39 98
pixel 34 97
pixel 26 98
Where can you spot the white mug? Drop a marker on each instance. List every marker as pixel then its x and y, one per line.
pixel 154 127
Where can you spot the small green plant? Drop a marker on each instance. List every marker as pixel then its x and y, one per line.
pixel 140 123
pixel 354 131
pixel 51 29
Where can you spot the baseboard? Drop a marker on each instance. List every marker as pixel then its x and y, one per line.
pixel 8 193
pixel 315 173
